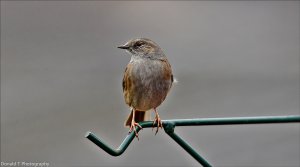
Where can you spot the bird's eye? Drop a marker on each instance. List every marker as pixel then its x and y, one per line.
pixel 138 44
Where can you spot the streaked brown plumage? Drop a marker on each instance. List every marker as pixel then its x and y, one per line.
pixel 147 80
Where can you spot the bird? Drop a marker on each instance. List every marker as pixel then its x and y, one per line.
pixel 146 82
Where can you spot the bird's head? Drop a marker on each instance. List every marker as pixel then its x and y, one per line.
pixel 142 47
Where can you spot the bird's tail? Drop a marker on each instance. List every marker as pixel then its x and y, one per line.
pixel 139 117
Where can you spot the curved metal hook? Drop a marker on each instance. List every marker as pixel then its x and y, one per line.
pixel 123 146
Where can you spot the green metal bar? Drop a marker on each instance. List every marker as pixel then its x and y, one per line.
pixel 169 126
pixel 114 152
pixel 236 120
pixel 169 129
pixel 123 146
pixel 189 149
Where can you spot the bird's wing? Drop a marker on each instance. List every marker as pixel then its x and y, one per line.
pixel 125 78
pixel 127 84
pixel 168 71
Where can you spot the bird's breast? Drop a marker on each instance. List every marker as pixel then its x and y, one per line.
pixel 150 82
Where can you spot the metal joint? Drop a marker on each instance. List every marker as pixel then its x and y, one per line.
pixel 169 127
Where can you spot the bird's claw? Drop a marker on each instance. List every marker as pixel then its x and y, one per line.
pixel 159 123
pixel 133 128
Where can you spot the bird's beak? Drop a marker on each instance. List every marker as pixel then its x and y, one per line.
pixel 123 47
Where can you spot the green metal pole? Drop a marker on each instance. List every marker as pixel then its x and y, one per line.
pixel 114 152
pixel 236 120
pixel 189 149
pixel 169 129
pixel 169 126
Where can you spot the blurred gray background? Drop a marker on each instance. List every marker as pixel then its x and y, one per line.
pixel 61 76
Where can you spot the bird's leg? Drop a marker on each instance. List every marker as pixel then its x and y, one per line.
pixel 133 124
pixel 157 120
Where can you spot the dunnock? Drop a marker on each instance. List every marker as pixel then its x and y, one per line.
pixel 147 80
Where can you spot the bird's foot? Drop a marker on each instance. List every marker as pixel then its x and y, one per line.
pixel 133 128
pixel 158 121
